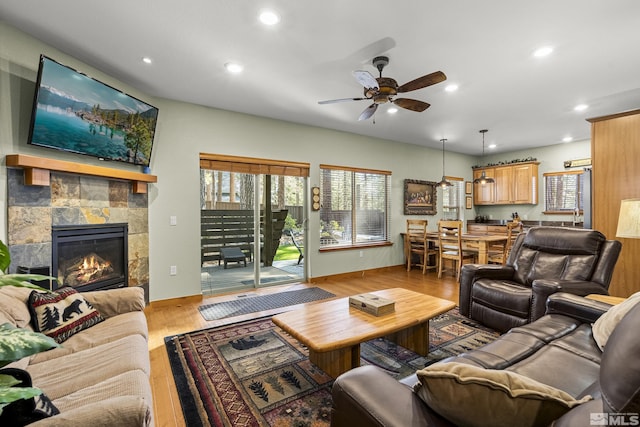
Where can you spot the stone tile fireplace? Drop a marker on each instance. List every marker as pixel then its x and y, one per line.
pixel 81 202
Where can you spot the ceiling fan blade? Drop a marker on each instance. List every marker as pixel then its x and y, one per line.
pixel 368 112
pixel 411 104
pixel 424 81
pixel 366 79
pixel 334 101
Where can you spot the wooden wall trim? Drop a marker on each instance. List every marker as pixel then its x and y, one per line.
pixel 354 169
pixel 615 150
pixel 192 299
pixel 254 165
pixel 613 116
pixel 26 161
pixel 37 170
pixel 355 274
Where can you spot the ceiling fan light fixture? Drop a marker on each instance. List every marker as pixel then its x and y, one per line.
pixel 483 178
pixel 383 90
pixel 443 182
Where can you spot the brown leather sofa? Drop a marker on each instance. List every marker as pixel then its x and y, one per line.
pixel 543 261
pixel 557 349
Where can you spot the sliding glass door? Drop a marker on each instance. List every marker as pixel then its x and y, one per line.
pixel 252 228
pixel 282 224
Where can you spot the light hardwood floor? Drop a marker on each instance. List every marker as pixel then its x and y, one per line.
pixel 177 316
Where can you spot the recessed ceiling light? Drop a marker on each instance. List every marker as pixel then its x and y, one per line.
pixel 492 146
pixel 581 107
pixel 542 51
pixel 567 139
pixel 147 60
pixel 269 18
pixel 392 110
pixel 451 88
pixel 233 67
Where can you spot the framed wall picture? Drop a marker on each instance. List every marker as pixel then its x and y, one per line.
pixel 468 187
pixel 468 202
pixel 419 197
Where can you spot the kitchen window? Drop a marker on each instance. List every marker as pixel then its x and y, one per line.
pixel 563 192
pixel 452 199
pixel 355 206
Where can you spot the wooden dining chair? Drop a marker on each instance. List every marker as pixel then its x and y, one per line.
pixel 418 247
pixel 450 245
pixel 500 253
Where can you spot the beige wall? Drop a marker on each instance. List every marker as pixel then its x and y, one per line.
pixel 185 130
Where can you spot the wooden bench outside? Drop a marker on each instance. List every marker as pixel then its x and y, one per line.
pixel 235 228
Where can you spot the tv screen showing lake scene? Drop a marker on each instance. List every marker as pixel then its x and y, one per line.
pixel 76 113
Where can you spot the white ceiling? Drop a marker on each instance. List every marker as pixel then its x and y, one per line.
pixel 483 46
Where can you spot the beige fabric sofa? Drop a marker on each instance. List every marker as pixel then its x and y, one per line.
pixel 99 376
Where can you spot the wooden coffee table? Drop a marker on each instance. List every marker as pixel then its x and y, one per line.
pixel 333 331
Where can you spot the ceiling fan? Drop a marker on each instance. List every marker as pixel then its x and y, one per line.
pixel 384 89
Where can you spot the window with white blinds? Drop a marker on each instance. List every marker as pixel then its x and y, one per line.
pixel 355 206
pixel 563 191
pixel 452 199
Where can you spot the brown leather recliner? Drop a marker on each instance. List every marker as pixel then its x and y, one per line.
pixel 543 261
pixel 557 350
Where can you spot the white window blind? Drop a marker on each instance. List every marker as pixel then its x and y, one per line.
pixel 355 206
pixel 563 191
pixel 452 200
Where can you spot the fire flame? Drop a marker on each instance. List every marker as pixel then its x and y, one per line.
pixel 90 267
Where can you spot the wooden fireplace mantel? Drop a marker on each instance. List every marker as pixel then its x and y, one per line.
pixel 37 171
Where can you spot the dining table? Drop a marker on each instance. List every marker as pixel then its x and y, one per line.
pixel 479 242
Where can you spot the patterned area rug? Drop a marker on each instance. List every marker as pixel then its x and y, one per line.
pixel 254 374
pixel 253 304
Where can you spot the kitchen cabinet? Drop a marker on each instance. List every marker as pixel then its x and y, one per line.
pixel 525 184
pixel 515 184
pixel 483 229
pixel 503 186
pixel 483 194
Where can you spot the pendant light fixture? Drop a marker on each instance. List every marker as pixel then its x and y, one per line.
pixel 443 183
pixel 483 179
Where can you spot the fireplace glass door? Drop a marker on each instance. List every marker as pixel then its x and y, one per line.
pixel 90 257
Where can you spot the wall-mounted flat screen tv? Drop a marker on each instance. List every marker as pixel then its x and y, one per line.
pixel 76 113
